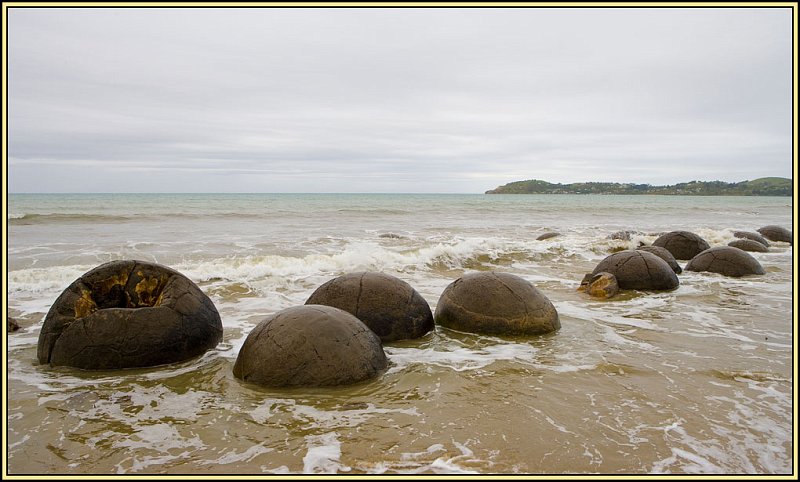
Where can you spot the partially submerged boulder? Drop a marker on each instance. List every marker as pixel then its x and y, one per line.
pixel 726 260
pixel 310 346
pixel 602 285
pixel 638 270
pixel 682 244
pixel 776 233
pixel 623 235
pixel 127 314
pixel 12 325
pixel 665 255
pixel 387 305
pixel 496 303
pixel 751 236
pixel 544 236
pixel 749 245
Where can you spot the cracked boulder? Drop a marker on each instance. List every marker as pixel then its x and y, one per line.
pixel 751 236
pixel 310 346
pixel 602 285
pixel 128 314
pixel 638 270
pixel 727 261
pixel 682 244
pixel 749 245
pixel 497 304
pixel 776 233
pixel 387 305
pixel 663 254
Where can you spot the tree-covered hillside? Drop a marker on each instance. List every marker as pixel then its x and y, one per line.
pixel 765 186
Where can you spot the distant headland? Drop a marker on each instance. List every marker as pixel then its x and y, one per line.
pixel 765 186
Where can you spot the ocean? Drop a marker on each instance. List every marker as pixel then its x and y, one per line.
pixel 696 380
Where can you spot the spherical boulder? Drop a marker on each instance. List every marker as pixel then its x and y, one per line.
pixel 544 236
pixel 751 236
pixel 310 346
pixel 638 270
pixel 682 244
pixel 127 314
pixel 749 245
pixel 725 260
pixel 496 304
pixel 776 233
pixel 387 305
pixel 665 255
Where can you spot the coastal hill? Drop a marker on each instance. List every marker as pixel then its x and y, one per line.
pixel 765 186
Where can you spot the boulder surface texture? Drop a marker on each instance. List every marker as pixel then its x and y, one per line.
pixel 496 303
pixel 682 244
pixel 126 314
pixel 638 270
pixel 665 255
pixel 751 236
pixel 776 233
pixel 726 260
pixel 749 245
pixel 387 305
pixel 310 345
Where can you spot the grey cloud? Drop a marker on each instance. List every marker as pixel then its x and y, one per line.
pixel 441 100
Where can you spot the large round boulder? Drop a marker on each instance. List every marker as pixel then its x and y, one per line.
pixel 749 245
pixel 638 270
pixel 387 305
pixel 310 346
pixel 725 260
pixel 682 244
pixel 776 233
pixel 663 254
pixel 751 236
pixel 497 304
pixel 127 314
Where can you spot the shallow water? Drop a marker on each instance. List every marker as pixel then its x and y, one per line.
pixel 697 380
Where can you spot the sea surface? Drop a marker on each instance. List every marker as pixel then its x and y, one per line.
pixel 696 380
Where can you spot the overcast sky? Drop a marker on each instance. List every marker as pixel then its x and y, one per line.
pixel 393 100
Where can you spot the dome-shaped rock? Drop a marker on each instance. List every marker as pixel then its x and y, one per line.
pixel 127 314
pixel 387 305
pixel 751 236
pixel 665 255
pixel 682 244
pixel 310 345
pixel 639 270
pixel 749 245
pixel 725 260
pixel 495 303
pixel 544 236
pixel 776 233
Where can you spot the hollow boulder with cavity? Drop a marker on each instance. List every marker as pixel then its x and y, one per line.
pixel 127 314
